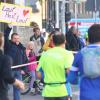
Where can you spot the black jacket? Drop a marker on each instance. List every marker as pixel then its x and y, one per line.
pixel 16 52
pixel 6 75
pixel 73 42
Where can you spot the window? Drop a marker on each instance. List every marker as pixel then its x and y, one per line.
pixel 33 4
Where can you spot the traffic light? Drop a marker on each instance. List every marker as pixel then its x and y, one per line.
pixel 67 16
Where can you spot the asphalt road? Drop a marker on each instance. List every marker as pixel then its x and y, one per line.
pixel 38 97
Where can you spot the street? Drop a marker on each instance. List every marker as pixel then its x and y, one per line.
pixel 38 97
pixel 25 97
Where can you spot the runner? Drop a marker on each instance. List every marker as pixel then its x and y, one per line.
pixel 55 63
pixel 49 44
pixel 87 63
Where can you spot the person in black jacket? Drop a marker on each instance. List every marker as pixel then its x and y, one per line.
pixel 6 75
pixel 16 51
pixel 73 41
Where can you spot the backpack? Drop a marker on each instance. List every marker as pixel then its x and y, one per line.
pixel 91 62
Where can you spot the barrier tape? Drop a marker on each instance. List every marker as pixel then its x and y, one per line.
pixel 19 66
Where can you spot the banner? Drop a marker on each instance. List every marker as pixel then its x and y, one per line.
pixel 14 14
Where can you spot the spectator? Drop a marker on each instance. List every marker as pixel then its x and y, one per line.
pixel 6 75
pixel 73 41
pixel 32 68
pixel 38 42
pixel 16 51
pixel 55 63
pixel 87 63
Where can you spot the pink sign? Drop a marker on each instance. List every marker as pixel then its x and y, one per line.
pixel 14 14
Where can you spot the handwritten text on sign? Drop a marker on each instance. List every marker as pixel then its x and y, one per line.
pixel 17 15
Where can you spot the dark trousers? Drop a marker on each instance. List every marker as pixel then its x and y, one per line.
pixel 55 98
pixel 4 95
pixel 4 98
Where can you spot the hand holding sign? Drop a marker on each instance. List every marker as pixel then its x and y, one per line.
pixel 10 25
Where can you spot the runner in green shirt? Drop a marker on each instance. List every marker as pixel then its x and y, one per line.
pixel 55 63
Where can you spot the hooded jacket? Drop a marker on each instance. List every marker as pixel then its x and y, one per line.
pixel 6 75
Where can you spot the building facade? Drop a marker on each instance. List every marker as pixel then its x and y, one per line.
pixel 54 13
pixel 82 9
pixel 86 9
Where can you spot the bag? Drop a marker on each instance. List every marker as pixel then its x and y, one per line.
pixel 91 62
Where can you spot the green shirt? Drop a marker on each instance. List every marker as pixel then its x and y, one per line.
pixel 86 35
pixel 53 63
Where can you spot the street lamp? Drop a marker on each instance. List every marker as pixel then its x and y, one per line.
pixel 95 9
pixel 63 17
pixel 76 4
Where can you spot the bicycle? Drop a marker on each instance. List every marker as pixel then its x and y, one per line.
pixel 26 78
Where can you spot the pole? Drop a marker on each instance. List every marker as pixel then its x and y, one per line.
pixel 57 13
pixel 76 14
pixel 42 12
pixel 45 13
pixel 95 9
pixel 63 17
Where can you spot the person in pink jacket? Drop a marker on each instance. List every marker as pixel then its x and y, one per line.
pixel 31 58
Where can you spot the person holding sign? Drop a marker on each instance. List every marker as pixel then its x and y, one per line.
pixel 16 51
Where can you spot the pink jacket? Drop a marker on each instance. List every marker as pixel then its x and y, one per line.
pixel 32 67
pixel 31 58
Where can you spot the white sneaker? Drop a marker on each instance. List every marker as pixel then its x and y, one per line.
pixel 32 90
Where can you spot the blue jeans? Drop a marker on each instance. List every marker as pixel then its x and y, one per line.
pixel 16 91
pixel 33 78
